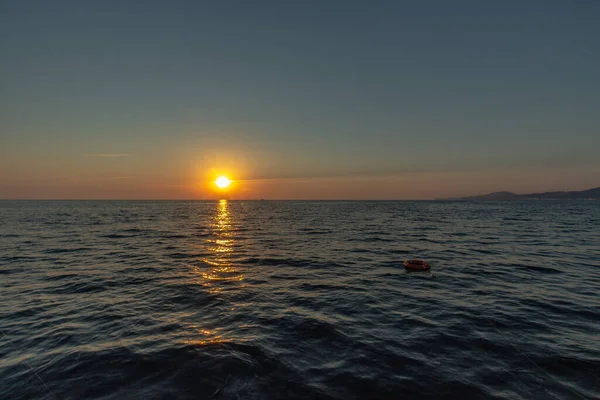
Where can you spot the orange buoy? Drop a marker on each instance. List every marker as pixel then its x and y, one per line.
pixel 416 265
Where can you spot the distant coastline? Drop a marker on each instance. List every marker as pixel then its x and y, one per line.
pixel 589 194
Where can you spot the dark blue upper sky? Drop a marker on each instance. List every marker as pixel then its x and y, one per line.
pixel 302 89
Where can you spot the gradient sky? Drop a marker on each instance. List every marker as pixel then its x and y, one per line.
pixel 298 99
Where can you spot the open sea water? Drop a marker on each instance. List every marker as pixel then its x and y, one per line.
pixel 299 300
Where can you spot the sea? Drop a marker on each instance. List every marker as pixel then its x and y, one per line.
pixel 299 300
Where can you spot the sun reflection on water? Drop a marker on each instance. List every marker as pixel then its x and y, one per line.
pixel 217 271
pixel 205 337
pixel 221 249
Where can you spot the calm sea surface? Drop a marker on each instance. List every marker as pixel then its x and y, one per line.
pixel 284 300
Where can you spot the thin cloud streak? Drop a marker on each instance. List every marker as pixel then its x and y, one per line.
pixel 79 181
pixel 320 178
pixel 108 155
pixel 410 171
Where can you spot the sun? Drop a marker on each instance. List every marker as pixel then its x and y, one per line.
pixel 222 182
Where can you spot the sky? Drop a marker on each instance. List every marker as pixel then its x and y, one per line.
pixel 298 99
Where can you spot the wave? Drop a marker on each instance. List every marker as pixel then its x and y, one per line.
pixel 302 302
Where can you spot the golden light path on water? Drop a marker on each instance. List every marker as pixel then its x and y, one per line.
pixel 218 268
pixel 221 248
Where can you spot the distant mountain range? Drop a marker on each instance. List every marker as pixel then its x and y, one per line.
pixel 590 194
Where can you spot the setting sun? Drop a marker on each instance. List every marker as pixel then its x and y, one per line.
pixel 222 182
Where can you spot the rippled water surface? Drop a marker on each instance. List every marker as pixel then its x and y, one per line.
pixel 254 300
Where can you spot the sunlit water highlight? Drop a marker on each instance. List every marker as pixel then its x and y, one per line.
pixel 195 300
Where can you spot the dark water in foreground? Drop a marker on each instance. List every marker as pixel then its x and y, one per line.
pixel 256 300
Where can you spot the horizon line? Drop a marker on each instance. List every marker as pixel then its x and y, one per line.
pixel 314 200
pixel 215 199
